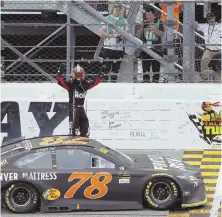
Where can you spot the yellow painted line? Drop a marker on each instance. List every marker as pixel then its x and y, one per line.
pixel 210 181
pixel 211 160
pixel 179 214
pixel 193 156
pixel 209 173
pixel 191 150
pixel 210 166
pixel 210 195
pixel 210 188
pixel 208 204
pixel 200 211
pixel 203 211
pixel 212 152
pixel 194 163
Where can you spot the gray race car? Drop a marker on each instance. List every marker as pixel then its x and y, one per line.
pixel 66 173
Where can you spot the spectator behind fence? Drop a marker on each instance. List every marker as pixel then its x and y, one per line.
pixel 150 33
pixel 113 42
pixel 215 65
pixel 212 35
pixel 178 9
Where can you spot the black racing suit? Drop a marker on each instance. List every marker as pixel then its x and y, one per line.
pixel 77 93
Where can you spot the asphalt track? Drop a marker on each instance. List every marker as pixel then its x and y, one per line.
pixel 208 160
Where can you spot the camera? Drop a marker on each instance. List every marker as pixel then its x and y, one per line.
pixel 119 39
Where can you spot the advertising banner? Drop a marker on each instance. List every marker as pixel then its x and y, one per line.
pixel 124 120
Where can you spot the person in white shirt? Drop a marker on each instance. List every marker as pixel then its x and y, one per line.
pixel 212 36
pixel 113 42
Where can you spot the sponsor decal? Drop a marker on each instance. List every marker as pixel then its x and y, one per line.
pixel 193 179
pixel 175 192
pixel 51 194
pixel 68 140
pixel 124 181
pixel 186 193
pixel 147 195
pixel 4 162
pixel 162 174
pixel 26 144
pixel 104 150
pixel 80 95
pixel 208 123
pixel 44 149
pixel 19 145
pixel 7 201
pixel 190 178
pixel 39 176
pixel 124 177
pixel 161 163
pixel 8 176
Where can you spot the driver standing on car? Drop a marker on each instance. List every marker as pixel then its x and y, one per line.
pixel 77 89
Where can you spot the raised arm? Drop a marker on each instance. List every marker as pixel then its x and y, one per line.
pixel 96 81
pixel 60 80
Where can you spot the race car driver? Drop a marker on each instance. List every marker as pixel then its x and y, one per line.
pixel 77 88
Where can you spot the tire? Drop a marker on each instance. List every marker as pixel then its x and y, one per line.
pixel 21 197
pixel 169 197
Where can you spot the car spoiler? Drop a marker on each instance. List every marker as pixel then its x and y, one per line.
pixel 12 141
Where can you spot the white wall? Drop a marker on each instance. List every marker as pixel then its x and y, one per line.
pixel 130 116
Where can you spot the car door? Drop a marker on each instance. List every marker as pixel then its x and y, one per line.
pixel 84 178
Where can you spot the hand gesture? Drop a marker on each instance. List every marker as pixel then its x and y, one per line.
pixel 151 27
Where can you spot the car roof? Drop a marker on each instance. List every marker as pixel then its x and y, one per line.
pixel 48 141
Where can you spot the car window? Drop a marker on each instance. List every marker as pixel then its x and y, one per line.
pixel 37 160
pixel 123 158
pixel 79 159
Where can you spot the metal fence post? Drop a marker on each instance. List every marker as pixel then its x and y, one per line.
pixel 170 69
pixel 68 48
pixel 73 43
pixel 189 42
pixel 126 72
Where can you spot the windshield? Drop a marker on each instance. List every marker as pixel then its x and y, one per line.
pixel 123 158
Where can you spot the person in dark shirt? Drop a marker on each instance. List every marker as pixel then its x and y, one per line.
pixel 77 89
pixel 151 33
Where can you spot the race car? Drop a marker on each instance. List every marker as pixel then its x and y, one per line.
pixel 67 173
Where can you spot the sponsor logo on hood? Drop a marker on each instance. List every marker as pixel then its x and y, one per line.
pixel 165 163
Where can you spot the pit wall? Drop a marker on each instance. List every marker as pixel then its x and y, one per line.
pixel 123 116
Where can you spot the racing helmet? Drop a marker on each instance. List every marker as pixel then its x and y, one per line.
pixel 78 73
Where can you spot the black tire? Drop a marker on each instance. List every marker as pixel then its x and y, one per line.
pixel 169 190
pixel 21 197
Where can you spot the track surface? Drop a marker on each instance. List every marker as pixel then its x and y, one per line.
pixel 210 163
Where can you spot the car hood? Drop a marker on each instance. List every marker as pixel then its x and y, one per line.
pixel 160 163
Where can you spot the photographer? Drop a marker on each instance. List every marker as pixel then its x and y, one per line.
pixel 151 33
pixel 113 42
pixel 77 89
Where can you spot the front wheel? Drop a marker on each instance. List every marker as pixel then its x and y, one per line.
pixel 161 193
pixel 21 197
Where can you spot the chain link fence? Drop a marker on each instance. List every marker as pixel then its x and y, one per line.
pixel 36 39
